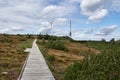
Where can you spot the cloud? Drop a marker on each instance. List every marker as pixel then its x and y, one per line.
pixel 107 30
pixel 93 9
pixel 92 34
pixel 11 29
pixel 115 5
pixel 32 16
pixel 14 28
pixel 60 21
pixel 5 30
pixel 80 35
pixel 74 1
pixel 56 11
pixel 90 31
pixel 31 13
pixel 49 11
pixel 60 32
pixel 45 27
pixel 98 15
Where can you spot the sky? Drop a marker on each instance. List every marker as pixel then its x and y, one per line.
pixel 91 19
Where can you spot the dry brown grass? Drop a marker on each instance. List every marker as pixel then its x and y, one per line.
pixel 63 59
pixel 11 57
pixel 81 49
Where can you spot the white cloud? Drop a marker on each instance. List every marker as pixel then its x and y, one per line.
pixel 60 21
pixel 12 29
pixel 48 11
pixel 90 31
pixel 92 34
pixel 45 27
pixel 5 30
pixel 115 6
pixel 93 9
pixel 15 28
pixel 28 12
pixel 60 32
pixel 82 36
pixel 98 15
pixel 55 11
pixel 32 15
pixel 74 1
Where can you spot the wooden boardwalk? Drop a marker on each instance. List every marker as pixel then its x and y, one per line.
pixel 36 67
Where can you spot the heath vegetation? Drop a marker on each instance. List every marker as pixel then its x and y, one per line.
pixel 12 55
pixel 61 52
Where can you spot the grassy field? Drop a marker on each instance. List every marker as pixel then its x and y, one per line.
pixel 81 60
pixel 67 59
pixel 64 54
pixel 103 66
pixel 12 55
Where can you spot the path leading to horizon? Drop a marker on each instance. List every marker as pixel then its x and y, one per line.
pixel 36 67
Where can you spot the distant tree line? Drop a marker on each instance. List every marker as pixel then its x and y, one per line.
pixel 51 37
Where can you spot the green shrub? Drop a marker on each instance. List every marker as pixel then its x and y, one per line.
pixel 25 44
pixel 112 41
pixel 58 45
pixel 104 66
pixel 24 39
pixel 5 40
pixel 29 36
pixel 51 58
pixel 43 41
pixel 51 37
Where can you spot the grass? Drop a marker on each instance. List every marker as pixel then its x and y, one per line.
pixel 103 66
pixel 58 45
pixel 59 59
pixel 12 55
pixel 84 60
pixel 25 44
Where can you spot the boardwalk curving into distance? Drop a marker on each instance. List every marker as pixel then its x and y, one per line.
pixel 36 67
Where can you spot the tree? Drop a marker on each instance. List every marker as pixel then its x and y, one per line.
pixel 112 41
pixel 103 40
pixel 40 36
pixel 47 37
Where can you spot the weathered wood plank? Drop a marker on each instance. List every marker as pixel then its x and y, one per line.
pixel 36 67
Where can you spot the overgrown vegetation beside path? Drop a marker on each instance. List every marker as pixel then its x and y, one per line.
pixel 58 52
pixel 83 60
pixel 12 55
pixel 103 66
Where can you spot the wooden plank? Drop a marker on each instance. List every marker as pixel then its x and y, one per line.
pixel 36 67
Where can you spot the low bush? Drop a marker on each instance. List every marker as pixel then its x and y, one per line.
pixel 58 45
pixel 51 58
pixel 104 66
pixel 5 40
pixel 25 44
pixel 43 41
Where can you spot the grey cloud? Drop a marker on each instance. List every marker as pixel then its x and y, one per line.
pixel 107 30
